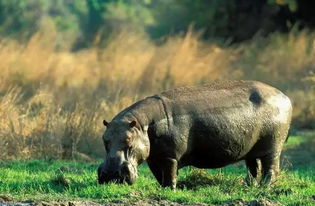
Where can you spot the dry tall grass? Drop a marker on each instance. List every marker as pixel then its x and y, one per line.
pixel 52 103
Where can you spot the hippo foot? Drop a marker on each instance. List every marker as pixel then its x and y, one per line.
pixel 268 180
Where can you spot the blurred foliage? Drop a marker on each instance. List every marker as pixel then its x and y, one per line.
pixel 292 4
pixel 20 18
pixel 83 23
pixel 175 16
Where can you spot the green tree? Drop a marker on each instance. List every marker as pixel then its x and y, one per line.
pixel 20 19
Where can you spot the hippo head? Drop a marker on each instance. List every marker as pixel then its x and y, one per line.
pixel 127 146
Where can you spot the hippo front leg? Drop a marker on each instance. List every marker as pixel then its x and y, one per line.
pixel 170 173
pixel 165 171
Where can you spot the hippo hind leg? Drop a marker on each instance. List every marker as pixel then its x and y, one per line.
pixel 253 171
pixel 264 165
pixel 262 170
pixel 271 161
pixel 270 168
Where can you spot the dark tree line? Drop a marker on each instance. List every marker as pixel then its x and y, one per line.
pixel 83 20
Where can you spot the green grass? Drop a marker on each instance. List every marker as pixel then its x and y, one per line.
pixel 294 141
pixel 38 180
pixel 59 180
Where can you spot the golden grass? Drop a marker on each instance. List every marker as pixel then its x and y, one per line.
pixel 52 102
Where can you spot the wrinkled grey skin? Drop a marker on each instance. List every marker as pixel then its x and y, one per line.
pixel 207 127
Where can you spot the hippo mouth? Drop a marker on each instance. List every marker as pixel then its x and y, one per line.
pixel 116 180
pixel 126 174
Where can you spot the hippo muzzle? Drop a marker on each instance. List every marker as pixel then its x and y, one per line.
pixel 124 173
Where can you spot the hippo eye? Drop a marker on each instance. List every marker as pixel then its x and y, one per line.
pixel 128 141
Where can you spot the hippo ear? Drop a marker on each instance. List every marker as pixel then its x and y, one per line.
pixel 105 123
pixel 133 123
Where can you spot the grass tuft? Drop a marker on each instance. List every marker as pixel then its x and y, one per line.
pixel 198 178
pixel 61 180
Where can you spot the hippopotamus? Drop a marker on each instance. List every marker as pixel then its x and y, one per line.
pixel 208 126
